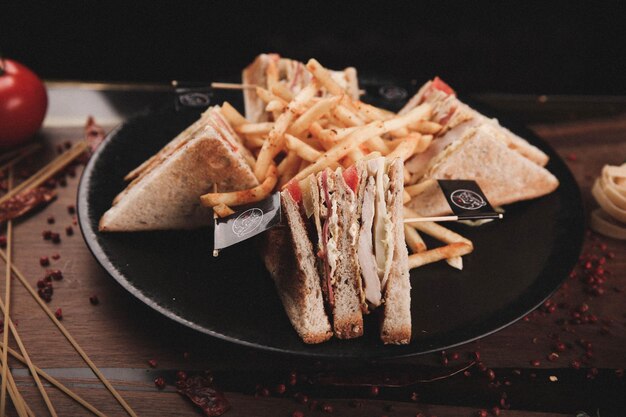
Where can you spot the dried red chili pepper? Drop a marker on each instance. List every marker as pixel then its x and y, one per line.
pixel 203 393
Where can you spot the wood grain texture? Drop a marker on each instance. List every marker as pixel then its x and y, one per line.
pixel 122 333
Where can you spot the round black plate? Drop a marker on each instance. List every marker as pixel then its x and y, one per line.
pixel 517 262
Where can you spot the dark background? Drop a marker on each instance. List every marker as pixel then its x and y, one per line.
pixel 546 47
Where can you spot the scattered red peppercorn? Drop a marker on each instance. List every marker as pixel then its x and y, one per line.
pixel 575 364
pixel 55 237
pixel 374 391
pixel 69 230
pixel 94 300
pixel 47 234
pixel 560 347
pixel 3 241
pixel 293 378
pixel 297 413
pixel 482 413
pixel 491 375
pixel 58 314
pixel 264 392
pixel 153 363
pixel 552 357
pixel 301 398
pixel 327 408
pixel 71 209
pixel 44 261
pixel 280 389
pixel 50 220
pixel 535 362
pixel 181 376
pixel 495 411
pixel 415 396
pixel 159 382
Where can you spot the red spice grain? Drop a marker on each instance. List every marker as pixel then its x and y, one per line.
pixel 374 391
pixel 94 300
pixel 280 389
pixel 159 382
pixel 55 237
pixel 46 234
pixel 71 209
pixel 153 363
pixel 301 398
pixel 69 230
pixel 495 410
pixel 181 376
pixel 327 408
pixel 535 362
pixel 297 413
pixel 44 261
pixel 58 314
pixel 482 413
pixel 50 220
pixel 3 241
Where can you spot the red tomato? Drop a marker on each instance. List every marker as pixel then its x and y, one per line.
pixel 440 85
pixel 351 177
pixel 23 103
pixel 294 190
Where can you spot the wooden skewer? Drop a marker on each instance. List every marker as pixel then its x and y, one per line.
pixel 8 324
pixel 70 338
pixel 18 402
pixel 7 302
pixel 233 86
pixel 216 252
pixel 437 219
pixel 47 171
pixel 59 385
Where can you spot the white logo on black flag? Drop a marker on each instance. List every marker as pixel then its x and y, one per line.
pixel 467 200
pixel 247 221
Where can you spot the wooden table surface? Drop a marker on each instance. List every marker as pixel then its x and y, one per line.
pixel 121 334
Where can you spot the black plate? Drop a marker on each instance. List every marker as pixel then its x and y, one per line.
pixel 517 262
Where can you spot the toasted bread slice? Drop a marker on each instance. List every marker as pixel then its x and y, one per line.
pixel 288 255
pixel 347 313
pixel 396 318
pixel 167 195
pixel 504 175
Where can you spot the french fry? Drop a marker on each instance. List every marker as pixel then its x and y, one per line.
pixel 254 128
pixel 342 148
pixel 444 252
pixel 425 127
pixel 276 139
pixel 413 240
pixel 324 77
pixel 406 148
pixel 300 148
pixel 347 117
pixel 222 210
pixel 407 176
pixel 281 90
pixel 455 262
pixel 254 141
pixel 435 230
pixel 423 144
pixel 372 113
pixel 237 198
pixel 400 133
pixel 267 96
pixel 419 188
pixel 315 112
pixel 359 136
pixel 232 115
pixel 275 106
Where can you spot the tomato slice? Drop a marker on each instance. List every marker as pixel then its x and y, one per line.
pixel 440 85
pixel 294 190
pixel 351 177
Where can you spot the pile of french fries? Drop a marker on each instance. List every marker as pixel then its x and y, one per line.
pixel 321 126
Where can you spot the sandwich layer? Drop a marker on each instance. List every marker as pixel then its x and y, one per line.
pixel 288 256
pixel 503 174
pixel 396 322
pixel 168 195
